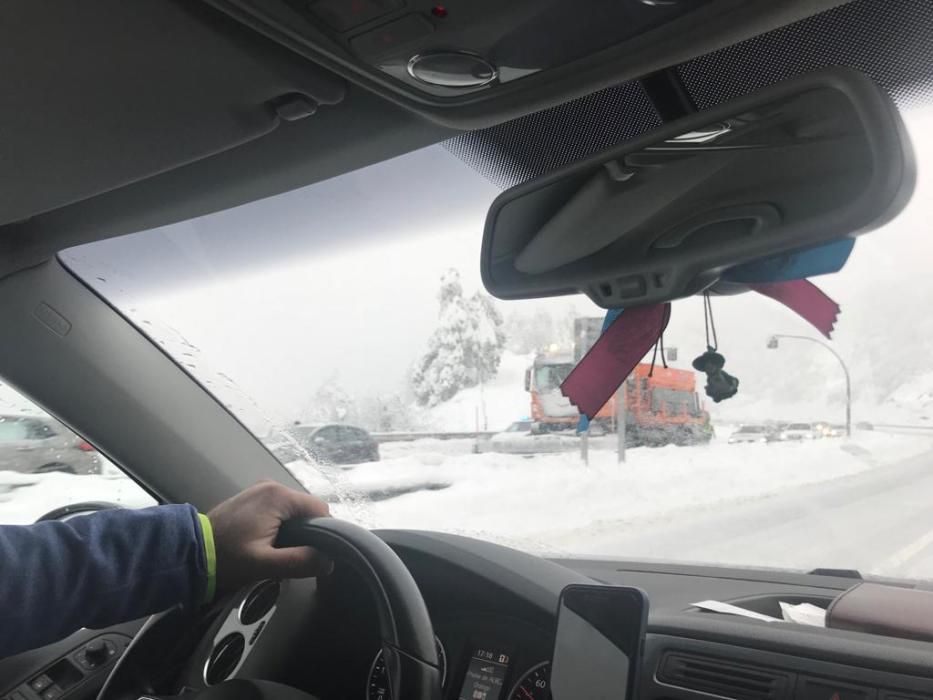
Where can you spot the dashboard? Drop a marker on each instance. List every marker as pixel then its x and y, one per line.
pixel 494 643
pixel 491 602
pixel 483 657
pixel 494 614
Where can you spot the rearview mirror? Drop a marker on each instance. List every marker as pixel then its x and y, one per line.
pixel 807 161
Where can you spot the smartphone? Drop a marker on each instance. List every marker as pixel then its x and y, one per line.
pixel 599 643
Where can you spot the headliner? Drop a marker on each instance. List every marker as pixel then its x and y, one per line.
pixel 122 117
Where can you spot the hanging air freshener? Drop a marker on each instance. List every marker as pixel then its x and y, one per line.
pixel 720 385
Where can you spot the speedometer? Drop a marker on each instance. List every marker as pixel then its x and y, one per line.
pixel 534 685
pixel 378 686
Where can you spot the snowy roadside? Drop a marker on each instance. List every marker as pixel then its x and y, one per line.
pixel 535 500
pixel 26 497
pixel 395 450
pixel 528 501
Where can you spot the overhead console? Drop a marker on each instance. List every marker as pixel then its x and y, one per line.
pixel 454 49
pixel 492 60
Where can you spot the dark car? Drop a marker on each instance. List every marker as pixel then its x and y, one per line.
pixel 336 443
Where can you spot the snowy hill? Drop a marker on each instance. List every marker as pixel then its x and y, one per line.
pixel 912 400
pixel 504 401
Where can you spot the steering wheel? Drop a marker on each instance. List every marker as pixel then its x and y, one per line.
pixel 405 627
pixel 72 510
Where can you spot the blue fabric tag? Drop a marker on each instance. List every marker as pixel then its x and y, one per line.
pixel 611 316
pixel 810 262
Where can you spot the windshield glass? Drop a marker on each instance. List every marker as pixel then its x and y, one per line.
pixel 674 401
pixel 13 429
pixel 549 377
pixel 357 302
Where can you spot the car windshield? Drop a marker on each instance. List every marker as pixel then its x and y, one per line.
pixel 549 376
pixel 13 430
pixel 674 401
pixel 358 302
pixel 751 429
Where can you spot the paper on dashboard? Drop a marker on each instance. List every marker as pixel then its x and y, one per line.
pixel 804 614
pixel 728 609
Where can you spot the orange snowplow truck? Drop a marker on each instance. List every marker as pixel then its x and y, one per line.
pixel 661 406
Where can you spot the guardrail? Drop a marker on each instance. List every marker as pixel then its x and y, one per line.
pixel 911 428
pixel 410 437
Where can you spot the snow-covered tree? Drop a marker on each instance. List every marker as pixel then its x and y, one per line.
pixel 386 413
pixel 332 403
pixel 536 330
pixel 464 350
pixel 489 337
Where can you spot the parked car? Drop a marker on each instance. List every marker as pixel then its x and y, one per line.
pixel 39 444
pixel 752 433
pixel 520 426
pixel 799 431
pixel 333 443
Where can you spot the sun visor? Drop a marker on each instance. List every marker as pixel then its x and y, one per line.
pixel 118 91
pixel 808 161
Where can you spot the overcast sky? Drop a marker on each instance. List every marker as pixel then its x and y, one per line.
pixel 337 279
pixel 340 279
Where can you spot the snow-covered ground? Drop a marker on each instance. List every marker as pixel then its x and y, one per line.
pixel 396 450
pixel 553 502
pixel 26 497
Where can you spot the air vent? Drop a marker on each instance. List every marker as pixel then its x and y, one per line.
pixel 224 659
pixel 724 678
pixel 259 602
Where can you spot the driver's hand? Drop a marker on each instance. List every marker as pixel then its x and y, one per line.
pixel 245 528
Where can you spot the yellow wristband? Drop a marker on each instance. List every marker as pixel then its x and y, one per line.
pixel 210 555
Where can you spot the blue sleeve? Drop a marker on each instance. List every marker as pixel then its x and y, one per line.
pixel 95 571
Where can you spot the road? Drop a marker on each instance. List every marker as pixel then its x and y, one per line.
pixel 879 522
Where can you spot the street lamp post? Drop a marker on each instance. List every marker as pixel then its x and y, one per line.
pixel 773 344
